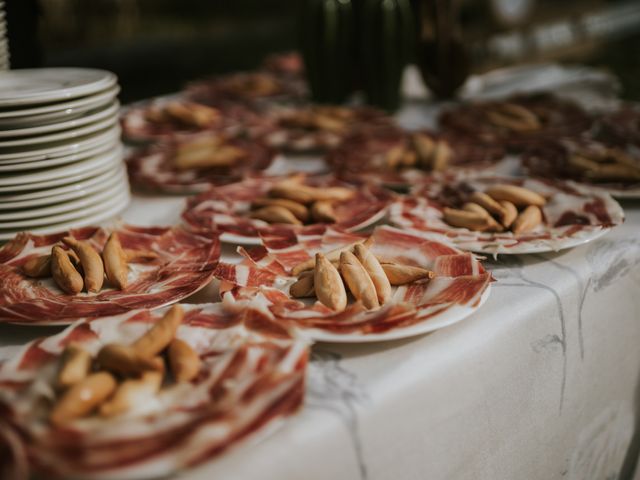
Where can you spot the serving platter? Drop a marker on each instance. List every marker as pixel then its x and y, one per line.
pixel 265 276
pixel 572 215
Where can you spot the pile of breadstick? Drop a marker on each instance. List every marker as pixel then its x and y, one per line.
pixel 421 151
pixel 82 267
pixel 207 151
pixel 122 376
pixel 189 114
pixel 498 208
pixel 356 269
pixel 292 202
pixel 606 165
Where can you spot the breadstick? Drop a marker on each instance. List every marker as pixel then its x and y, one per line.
pixel 328 284
pixel 161 334
pixel 82 398
pixel 358 280
pixel 375 271
pixel 184 361
pixel 115 262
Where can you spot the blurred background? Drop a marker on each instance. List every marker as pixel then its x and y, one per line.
pixel 155 46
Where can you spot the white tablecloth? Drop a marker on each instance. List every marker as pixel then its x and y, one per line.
pixel 543 382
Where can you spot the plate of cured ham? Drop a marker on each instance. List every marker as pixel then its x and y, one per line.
pixel 518 121
pixel 57 278
pixel 193 163
pixel 164 118
pixel 296 204
pixel 607 158
pixel 320 127
pixel 248 88
pixel 399 158
pixel 345 287
pixel 506 215
pixel 146 393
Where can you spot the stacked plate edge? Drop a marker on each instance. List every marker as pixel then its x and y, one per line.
pixel 60 152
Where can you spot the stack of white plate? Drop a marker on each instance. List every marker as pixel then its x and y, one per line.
pixel 60 152
pixel 4 44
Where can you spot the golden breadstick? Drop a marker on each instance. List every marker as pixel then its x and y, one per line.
pixel 184 361
pixel 510 213
pixel 375 271
pixel 358 280
pixel 529 219
pixel 425 148
pixel 91 262
pixel 465 219
pixel 300 211
pixel 64 273
pixel 132 392
pixel 441 157
pixel 493 226
pixel 126 360
pixel 222 156
pixel 393 157
pixel 291 191
pixel 275 214
pixel 488 203
pixel 75 365
pixel 161 334
pixel 322 211
pixel 519 196
pixel 115 262
pixel 332 256
pixel 37 267
pixel 82 398
pixel 328 284
pixel 403 274
pixel 303 287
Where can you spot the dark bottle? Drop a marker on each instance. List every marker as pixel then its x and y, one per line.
pixel 442 56
pixel 329 48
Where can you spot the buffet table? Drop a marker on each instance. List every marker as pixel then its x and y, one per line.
pixel 542 382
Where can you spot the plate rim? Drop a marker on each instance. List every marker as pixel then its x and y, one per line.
pixel 105 80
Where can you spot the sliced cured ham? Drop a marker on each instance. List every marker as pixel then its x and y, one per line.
pixel 248 88
pixel 184 165
pixel 173 264
pixel 319 128
pixel 572 214
pixel 460 286
pixel 251 375
pixel 518 121
pixel 170 117
pixel 390 156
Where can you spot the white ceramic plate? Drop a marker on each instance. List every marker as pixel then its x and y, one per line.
pixel 421 214
pixel 64 180
pixel 64 114
pixel 449 317
pixel 57 172
pixel 108 181
pixel 43 85
pixel 29 224
pixel 109 212
pixel 17 166
pixel 11 214
pixel 86 103
pixel 61 136
pixel 92 116
pixel 59 149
